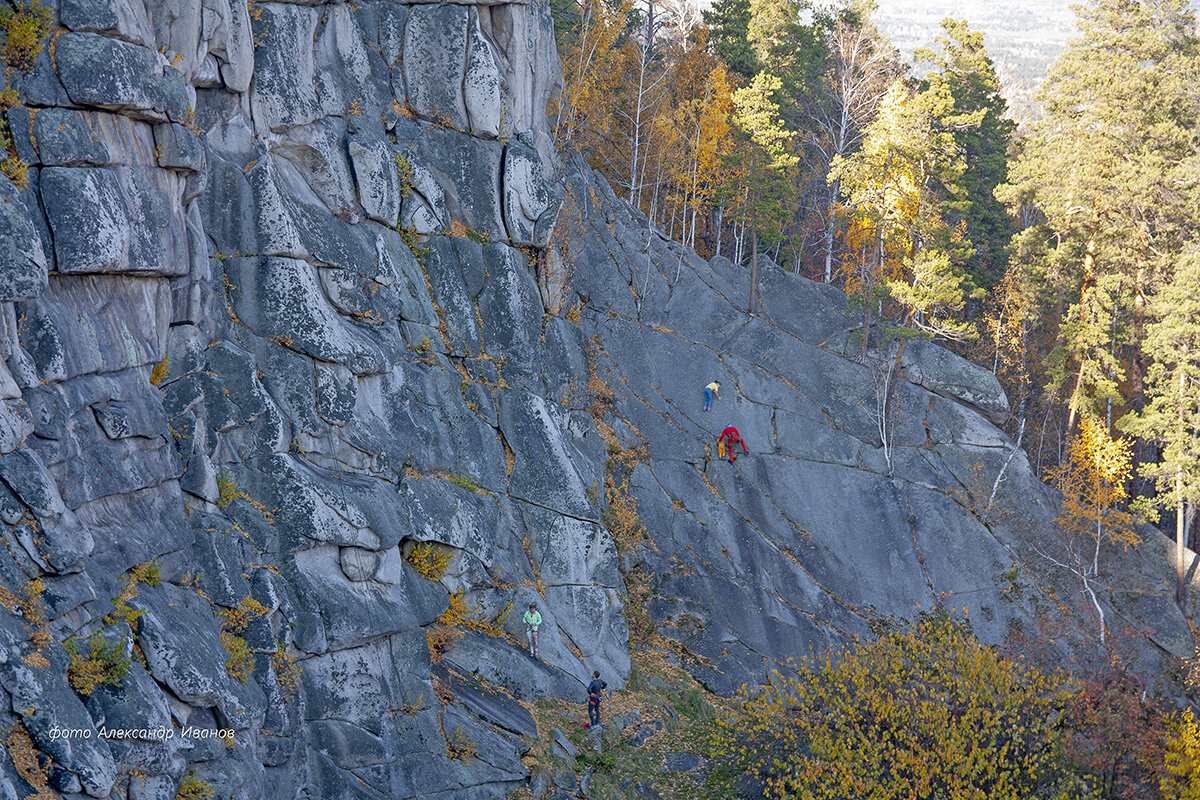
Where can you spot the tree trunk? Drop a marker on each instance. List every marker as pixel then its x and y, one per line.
pixel 753 264
pixel 1180 590
pixel 1089 275
pixel 833 190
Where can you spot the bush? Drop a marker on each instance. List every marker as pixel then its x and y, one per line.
pixel 227 490
pixel 240 664
pixel 100 662
pixel 26 28
pixel 192 788
pixel 923 712
pixel 430 560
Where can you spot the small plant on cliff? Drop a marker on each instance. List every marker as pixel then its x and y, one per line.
pixel 29 766
pixel 37 622
pixel 463 482
pixel 621 517
pixel 227 490
pixel 123 612
pixel 429 560
pixel 240 664
pixel 159 373
pixel 26 27
pixel 460 745
pixel 192 788
pixel 99 661
pixel 287 672
pixel 448 628
pixel 404 172
pixel 238 619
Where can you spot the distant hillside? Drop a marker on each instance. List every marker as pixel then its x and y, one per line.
pixel 1023 36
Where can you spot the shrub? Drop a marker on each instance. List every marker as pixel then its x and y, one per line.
pixel 102 661
pixel 430 560
pixel 159 373
pixel 227 490
pixel 287 672
pixel 26 27
pixel 192 788
pixel 240 664
pixel 923 712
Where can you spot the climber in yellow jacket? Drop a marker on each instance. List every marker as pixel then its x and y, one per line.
pixel 711 391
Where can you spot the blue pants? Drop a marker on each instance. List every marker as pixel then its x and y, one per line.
pixel 708 398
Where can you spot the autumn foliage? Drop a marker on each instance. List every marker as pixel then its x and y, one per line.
pixel 922 712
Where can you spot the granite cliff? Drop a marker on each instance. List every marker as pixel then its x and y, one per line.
pixel 297 300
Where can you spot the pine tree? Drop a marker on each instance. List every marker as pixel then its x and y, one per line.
pixel 971 109
pixel 729 37
pixel 1171 417
pixel 1108 170
pixel 762 164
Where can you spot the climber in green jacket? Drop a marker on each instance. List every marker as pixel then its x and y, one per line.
pixel 533 621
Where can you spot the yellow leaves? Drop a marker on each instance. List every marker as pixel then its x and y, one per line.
pixel 925 712
pixel 1182 759
pixel 1092 480
pixel 591 69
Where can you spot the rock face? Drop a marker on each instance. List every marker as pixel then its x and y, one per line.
pixel 282 316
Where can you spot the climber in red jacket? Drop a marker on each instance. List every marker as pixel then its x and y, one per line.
pixel 731 437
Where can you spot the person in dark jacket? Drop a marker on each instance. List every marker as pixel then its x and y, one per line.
pixel 595 689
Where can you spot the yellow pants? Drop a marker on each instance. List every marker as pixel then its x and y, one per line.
pixel 720 449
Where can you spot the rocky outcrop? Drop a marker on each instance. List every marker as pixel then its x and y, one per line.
pixel 282 315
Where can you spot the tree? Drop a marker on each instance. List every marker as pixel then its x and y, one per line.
pixel 1115 736
pixel 1171 416
pixel 897 185
pixel 697 137
pixel 971 109
pixel 860 66
pixel 922 712
pixel 1182 760
pixel 1092 481
pixel 762 163
pixel 591 59
pixel 1108 169
pixel 729 25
